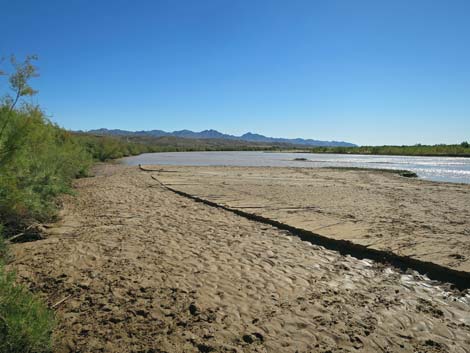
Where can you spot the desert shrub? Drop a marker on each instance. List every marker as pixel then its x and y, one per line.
pixel 38 162
pixel 26 324
pixel 104 148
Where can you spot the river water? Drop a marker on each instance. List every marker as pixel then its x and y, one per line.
pixel 448 169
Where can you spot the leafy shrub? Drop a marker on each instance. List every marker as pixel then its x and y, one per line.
pixel 38 162
pixel 26 324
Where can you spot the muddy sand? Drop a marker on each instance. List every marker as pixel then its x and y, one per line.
pixel 429 221
pixel 134 267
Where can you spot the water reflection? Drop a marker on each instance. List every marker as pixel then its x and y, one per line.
pixel 449 169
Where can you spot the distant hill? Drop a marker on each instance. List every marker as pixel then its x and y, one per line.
pixel 214 134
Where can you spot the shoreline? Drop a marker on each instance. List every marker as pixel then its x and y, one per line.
pixel 456 279
pixel 453 170
pixel 376 210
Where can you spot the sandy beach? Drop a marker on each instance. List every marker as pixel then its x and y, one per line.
pixel 133 267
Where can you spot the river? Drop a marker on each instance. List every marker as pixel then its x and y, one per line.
pixel 447 169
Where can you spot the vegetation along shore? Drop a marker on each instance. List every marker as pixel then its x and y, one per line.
pixel 441 150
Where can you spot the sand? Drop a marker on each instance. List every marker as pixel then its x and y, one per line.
pixel 429 221
pixel 133 267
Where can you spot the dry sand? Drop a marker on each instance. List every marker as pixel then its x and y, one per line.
pixel 142 269
pixel 429 221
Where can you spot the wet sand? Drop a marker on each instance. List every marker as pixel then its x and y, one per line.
pixel 133 267
pixel 429 221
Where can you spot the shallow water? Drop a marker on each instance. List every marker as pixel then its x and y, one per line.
pixel 448 169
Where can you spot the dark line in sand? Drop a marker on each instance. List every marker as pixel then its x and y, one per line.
pixel 458 279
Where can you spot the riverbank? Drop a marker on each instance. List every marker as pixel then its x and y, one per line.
pixel 456 150
pixel 134 267
pixel 414 218
pixel 456 170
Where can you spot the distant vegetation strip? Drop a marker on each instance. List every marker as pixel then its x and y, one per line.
pixel 458 150
pixel 105 147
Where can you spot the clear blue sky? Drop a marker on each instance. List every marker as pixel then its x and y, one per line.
pixel 369 72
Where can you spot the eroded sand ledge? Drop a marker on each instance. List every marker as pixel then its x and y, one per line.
pixel 425 220
pixel 145 270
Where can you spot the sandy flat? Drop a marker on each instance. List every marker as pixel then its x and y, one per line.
pixel 429 221
pixel 137 268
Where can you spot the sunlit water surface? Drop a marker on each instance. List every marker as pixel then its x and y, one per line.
pixel 448 169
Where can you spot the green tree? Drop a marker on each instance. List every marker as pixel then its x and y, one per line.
pixel 19 84
pixel 38 159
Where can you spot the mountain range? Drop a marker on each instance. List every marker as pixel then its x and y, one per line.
pixel 214 134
